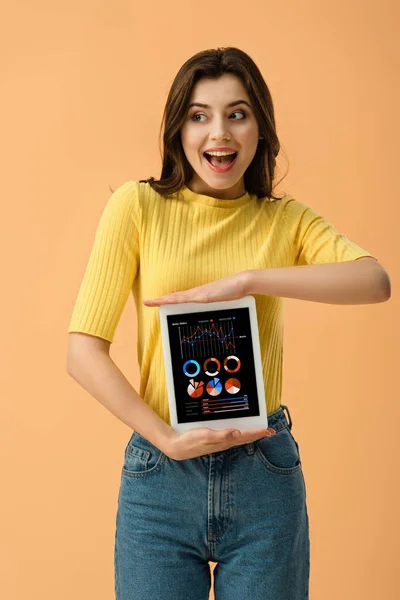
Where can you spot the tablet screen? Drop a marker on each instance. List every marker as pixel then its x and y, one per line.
pixel 213 365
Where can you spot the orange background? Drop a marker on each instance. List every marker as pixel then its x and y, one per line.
pixel 83 87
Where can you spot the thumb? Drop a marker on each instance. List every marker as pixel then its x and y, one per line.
pixel 233 433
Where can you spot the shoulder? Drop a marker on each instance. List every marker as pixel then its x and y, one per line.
pixel 126 196
pixel 123 204
pixel 125 190
pixel 285 208
pixel 292 210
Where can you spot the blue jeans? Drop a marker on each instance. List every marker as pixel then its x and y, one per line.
pixel 243 508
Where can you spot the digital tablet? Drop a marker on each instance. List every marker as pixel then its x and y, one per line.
pixel 213 365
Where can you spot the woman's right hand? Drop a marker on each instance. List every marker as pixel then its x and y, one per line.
pixel 203 440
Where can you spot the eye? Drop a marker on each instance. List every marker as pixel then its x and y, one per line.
pixel 241 112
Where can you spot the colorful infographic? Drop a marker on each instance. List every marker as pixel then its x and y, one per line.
pixel 213 365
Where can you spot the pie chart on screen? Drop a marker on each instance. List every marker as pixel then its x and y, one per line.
pixel 195 388
pixel 232 386
pixel 214 387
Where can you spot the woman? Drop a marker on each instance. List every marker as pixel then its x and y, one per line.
pixel 210 229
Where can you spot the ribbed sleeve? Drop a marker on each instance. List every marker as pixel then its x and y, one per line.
pixel 112 266
pixel 315 240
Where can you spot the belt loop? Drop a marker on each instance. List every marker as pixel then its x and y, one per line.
pixel 288 412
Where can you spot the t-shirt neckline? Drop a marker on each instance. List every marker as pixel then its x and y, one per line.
pixel 191 196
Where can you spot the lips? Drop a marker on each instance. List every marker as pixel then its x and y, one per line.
pixel 222 169
pixel 208 157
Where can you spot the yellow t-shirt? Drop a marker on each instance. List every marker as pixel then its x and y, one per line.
pixel 153 246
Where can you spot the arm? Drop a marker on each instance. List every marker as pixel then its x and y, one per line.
pixel 109 276
pixel 362 281
pixel 89 363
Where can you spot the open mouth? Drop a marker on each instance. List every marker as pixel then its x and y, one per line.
pixel 220 161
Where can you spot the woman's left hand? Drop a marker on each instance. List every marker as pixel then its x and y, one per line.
pixel 232 287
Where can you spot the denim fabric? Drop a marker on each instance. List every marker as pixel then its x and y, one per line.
pixel 243 508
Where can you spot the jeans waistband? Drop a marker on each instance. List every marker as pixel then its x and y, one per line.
pixel 277 420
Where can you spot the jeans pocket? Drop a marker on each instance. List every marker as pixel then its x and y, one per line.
pixel 141 457
pixel 279 453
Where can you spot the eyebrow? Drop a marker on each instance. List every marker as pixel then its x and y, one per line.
pixel 228 105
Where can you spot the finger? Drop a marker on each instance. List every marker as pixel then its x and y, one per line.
pixel 243 436
pixel 161 298
pixel 221 437
pixel 250 436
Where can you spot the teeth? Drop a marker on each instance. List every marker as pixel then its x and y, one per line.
pixel 219 153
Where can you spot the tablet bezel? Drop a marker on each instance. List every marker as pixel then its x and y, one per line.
pixel 242 423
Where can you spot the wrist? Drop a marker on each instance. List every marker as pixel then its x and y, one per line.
pixel 168 441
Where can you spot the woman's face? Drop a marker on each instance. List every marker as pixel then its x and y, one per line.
pixel 234 127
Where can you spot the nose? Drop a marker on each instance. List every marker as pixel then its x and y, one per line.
pixel 220 136
pixel 220 131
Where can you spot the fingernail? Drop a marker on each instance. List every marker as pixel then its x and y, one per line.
pixel 235 434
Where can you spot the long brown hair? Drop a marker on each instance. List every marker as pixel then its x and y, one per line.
pixel 176 170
